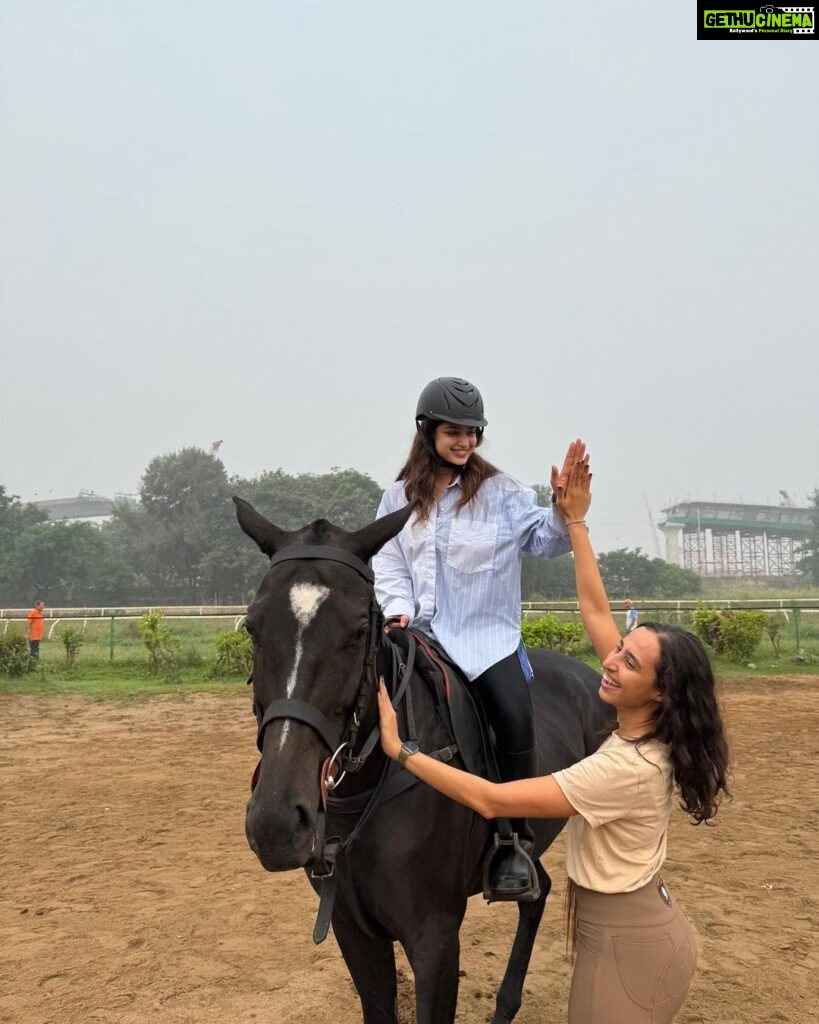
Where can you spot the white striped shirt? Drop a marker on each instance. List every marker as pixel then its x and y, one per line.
pixel 457 576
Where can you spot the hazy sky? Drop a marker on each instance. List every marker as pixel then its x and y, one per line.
pixel 273 223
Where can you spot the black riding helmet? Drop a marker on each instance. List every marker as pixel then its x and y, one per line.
pixel 451 400
pixel 448 400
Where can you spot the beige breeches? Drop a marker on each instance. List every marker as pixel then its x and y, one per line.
pixel 636 954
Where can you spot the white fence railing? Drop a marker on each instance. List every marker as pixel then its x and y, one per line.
pixel 768 604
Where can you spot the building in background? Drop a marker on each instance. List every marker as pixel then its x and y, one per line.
pixel 717 538
pixel 84 508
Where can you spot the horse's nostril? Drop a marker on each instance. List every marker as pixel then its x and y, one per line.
pixel 304 817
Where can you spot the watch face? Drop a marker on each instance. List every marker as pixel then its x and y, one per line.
pixel 408 748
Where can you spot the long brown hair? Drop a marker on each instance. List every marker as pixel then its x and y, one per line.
pixel 418 472
pixel 690 722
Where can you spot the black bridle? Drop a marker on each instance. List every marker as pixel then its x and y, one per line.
pixel 392 781
pixel 301 711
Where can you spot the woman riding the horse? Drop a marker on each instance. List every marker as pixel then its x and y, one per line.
pixel 636 952
pixel 454 573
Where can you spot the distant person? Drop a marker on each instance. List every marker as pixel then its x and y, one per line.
pixel 631 615
pixel 35 630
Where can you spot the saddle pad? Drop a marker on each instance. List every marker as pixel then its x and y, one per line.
pixel 449 684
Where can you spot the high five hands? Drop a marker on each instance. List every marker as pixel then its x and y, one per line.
pixel 575 453
pixel 572 486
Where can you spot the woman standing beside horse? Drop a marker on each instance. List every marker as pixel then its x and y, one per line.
pixel 636 952
pixel 454 573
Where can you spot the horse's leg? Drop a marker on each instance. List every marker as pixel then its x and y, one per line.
pixel 434 955
pixel 510 993
pixel 371 963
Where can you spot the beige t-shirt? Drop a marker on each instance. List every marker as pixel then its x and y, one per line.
pixel 622 794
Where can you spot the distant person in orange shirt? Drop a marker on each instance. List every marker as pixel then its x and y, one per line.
pixel 35 629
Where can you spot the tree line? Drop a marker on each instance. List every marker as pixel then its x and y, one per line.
pixel 180 543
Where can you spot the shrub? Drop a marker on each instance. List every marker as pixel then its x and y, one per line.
pixel 733 635
pixel 73 638
pixel 549 631
pixel 705 623
pixel 741 633
pixel 14 660
pixel 162 645
pixel 772 628
pixel 234 653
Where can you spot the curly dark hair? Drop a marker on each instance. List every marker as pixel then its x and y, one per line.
pixel 689 720
pixel 418 472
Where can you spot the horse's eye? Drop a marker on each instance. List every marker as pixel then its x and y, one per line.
pixel 360 635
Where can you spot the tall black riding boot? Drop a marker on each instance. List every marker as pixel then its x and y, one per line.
pixel 510 872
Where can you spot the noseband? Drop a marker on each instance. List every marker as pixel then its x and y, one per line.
pixel 301 711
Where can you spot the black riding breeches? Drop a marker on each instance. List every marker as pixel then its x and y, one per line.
pixel 504 693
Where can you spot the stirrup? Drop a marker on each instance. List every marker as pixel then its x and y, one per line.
pixel 521 894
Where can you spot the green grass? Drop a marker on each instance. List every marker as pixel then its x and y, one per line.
pixel 118 686
pixel 753 590
pixel 96 676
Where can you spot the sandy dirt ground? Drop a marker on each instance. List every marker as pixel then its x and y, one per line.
pixel 129 894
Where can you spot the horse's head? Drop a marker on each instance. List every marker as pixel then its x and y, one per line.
pixel 314 624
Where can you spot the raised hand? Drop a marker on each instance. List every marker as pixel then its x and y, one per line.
pixel 574 499
pixel 574 454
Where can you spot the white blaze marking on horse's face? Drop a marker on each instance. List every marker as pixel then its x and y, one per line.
pixel 305 601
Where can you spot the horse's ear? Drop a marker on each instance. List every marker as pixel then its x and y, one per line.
pixel 269 537
pixel 370 539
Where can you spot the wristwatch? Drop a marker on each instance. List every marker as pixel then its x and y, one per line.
pixel 408 748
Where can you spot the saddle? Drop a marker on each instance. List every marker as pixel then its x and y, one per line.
pixel 460 714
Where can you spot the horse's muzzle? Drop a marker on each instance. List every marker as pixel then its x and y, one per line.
pixel 282 835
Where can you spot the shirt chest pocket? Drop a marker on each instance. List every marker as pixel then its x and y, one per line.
pixel 471 546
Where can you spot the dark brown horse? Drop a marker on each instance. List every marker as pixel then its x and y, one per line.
pixel 397 860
